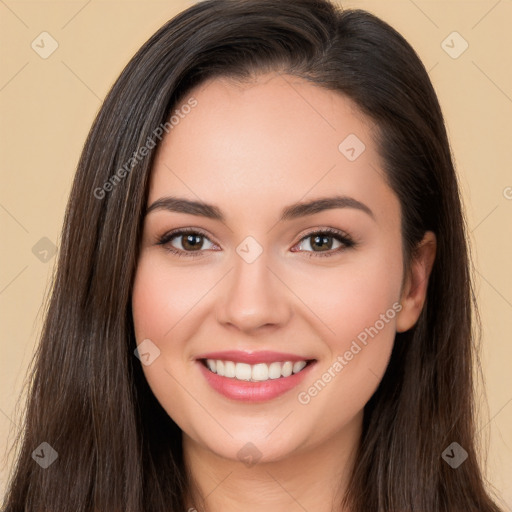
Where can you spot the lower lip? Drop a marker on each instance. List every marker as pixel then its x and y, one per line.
pixel 253 391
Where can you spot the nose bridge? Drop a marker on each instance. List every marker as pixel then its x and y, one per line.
pixel 253 296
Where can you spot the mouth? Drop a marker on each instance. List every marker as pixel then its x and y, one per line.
pixel 253 376
pixel 260 372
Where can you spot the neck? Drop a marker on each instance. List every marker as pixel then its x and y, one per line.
pixel 313 478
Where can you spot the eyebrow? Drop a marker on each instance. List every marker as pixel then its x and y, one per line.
pixel 293 211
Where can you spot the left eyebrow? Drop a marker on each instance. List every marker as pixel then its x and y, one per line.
pixel 293 211
pixel 297 210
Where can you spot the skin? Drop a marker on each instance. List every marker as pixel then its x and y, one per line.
pixel 252 149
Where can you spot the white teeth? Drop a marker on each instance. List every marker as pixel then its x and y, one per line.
pixel 229 369
pixel 298 366
pixel 274 370
pixel 260 372
pixel 243 371
pixel 287 369
pixel 255 373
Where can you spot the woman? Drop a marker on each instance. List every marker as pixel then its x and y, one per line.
pixel 263 295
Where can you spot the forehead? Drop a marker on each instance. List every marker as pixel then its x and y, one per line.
pixel 271 141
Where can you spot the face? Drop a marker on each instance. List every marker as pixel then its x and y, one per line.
pixel 254 282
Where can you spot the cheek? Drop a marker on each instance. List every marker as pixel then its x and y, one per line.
pixel 358 303
pixel 352 296
pixel 162 297
pixel 162 305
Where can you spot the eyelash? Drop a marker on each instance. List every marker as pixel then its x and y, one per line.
pixel 338 235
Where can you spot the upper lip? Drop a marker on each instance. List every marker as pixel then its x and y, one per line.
pixel 253 357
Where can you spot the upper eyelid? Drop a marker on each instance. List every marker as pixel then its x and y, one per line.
pixel 334 232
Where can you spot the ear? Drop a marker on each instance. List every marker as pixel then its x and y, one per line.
pixel 414 290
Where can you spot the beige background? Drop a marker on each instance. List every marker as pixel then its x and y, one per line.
pixel 48 105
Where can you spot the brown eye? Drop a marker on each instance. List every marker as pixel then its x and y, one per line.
pixel 324 242
pixel 185 242
pixel 321 242
pixel 191 242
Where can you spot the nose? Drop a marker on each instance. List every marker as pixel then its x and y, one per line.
pixel 254 297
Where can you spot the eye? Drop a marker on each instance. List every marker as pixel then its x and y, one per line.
pixel 323 240
pixel 190 242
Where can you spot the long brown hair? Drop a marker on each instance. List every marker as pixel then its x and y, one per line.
pixel 117 448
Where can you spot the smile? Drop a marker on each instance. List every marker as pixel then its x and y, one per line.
pixel 260 372
pixel 253 376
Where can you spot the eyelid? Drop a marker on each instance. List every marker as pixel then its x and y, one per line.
pixel 168 236
pixel 344 238
pixel 324 229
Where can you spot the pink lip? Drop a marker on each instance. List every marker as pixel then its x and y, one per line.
pixel 253 391
pixel 239 356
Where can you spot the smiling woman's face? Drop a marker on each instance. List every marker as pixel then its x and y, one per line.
pixel 268 287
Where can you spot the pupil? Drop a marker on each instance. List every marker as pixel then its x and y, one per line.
pixel 189 241
pixel 323 240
